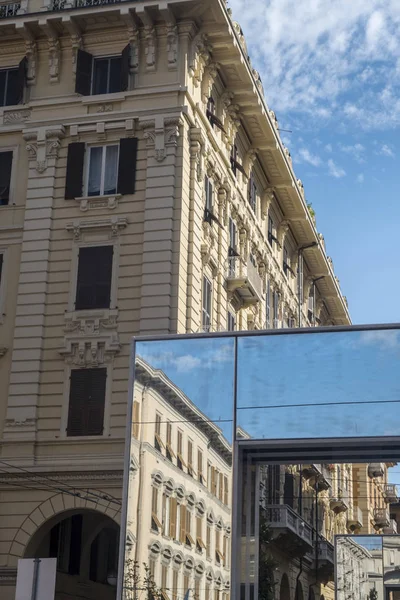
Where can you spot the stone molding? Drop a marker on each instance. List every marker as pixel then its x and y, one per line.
pixel 43 145
pixel 115 224
pixel 3 351
pixel 161 134
pixel 92 202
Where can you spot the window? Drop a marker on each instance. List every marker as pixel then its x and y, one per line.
pixel 164 581
pixel 200 467
pixel 86 401
pixel 169 451
pixel 5 176
pixel 235 164
pixel 173 516
pixel 174 584
pixel 275 299
pixel 220 486
pixel 206 310
pixel 1 265
pixel 155 523
pixel 200 545
pixel 232 252
pixel 93 288
pixel 103 75
pixel 180 461
pixel 191 470
pixel 268 306
pixel 285 261
pixel 231 321
pixel 271 237
pixel 110 169
pixel 197 589
pixel 211 116
pixel 226 490
pixel 102 172
pixel 208 541
pixel 12 84
pixel 158 443
pixel 218 554
pixel 208 209
pixel 189 541
pixel 252 193
pixel 135 420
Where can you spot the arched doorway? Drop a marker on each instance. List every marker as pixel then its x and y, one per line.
pixel 299 591
pixel 284 593
pixel 85 543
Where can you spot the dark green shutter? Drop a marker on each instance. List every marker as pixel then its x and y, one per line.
pixel 5 176
pixel 86 401
pixel 93 289
pixel 84 62
pixel 74 177
pixel 127 165
pixel 125 67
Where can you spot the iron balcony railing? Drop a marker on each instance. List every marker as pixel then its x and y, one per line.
pixel 9 10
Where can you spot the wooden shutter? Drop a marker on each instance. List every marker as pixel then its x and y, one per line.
pixel 127 165
pixel 74 177
pixel 21 81
pixel 182 532
pixel 75 548
pixel 5 176
pixel 93 288
pixel 225 490
pixel 84 62
pixel 173 509
pixel 125 67
pixel 86 401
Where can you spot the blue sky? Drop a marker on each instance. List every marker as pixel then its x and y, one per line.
pixel 331 73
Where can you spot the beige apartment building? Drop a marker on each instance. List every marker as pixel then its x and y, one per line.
pixel 144 189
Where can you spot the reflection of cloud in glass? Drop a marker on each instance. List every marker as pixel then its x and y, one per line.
pixel 202 368
pixel 370 542
pixel 383 339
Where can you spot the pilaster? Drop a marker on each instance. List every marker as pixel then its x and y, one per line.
pixel 42 148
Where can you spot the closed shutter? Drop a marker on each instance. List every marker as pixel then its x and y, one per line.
pixel 21 81
pixel 182 532
pixel 74 177
pixel 125 67
pixel 84 62
pixel 288 494
pixel 93 289
pixel 5 176
pixel 86 401
pixel 127 165
pixel 173 509
pixel 75 548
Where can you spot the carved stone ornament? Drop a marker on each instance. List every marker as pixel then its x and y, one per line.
pixel 76 44
pixel 161 134
pixel 249 159
pixel 134 42
pixel 209 77
pixel 90 353
pixel 150 40
pixel 200 55
pixel 43 145
pixel 31 55
pixel 90 340
pixel 266 200
pixel 54 59
pixel 114 225
pixel 17 423
pixel 172 46
pixel 3 351
pixel 282 231
pixel 105 108
pixel 16 116
pixel 93 202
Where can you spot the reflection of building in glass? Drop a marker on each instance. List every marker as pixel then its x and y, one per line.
pixel 179 517
pixel 373 497
pixel 391 566
pixel 359 570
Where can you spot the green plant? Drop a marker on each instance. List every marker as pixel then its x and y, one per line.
pixel 136 586
pixel 311 210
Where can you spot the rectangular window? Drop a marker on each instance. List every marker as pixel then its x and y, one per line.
pixel 180 460
pixel 268 306
pixel 93 289
pixel 155 522
pixel 208 541
pixel 169 450
pixel 12 83
pixel 286 262
pixel 197 589
pixel 175 584
pixel 231 322
pixel 106 75
pixel 102 170
pixel 275 298
pixel 208 186
pixel 220 486
pixel 86 401
pixel 191 470
pixel 158 443
pixel 226 490
pixel 206 309
pixel 270 231
pixel 5 176
pixel 182 524
pixel 189 541
pixel 164 581
pixel 200 545
pixel 135 420
pixel 200 467
pixel 235 164
pixel 173 516
pixel 252 193
pixel 186 585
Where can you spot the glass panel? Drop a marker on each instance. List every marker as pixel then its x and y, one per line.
pixel 3 77
pixel 115 75
pixel 182 447
pixel 288 385
pixel 12 91
pixel 100 75
pixel 111 170
pixel 94 183
pixel 391 563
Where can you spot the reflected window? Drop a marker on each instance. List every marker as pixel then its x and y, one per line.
pixel 180 460
pixel 200 467
pixel 158 443
pixel 206 308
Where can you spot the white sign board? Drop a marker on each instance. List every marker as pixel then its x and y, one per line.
pixel 36 579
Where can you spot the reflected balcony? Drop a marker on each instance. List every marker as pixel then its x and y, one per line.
pixel 376 469
pixel 390 493
pixel 318 474
pixel 243 278
pixel 290 532
pixel 9 9
pixel 381 518
pixel 339 502
pixel 325 566
pixel 355 519
pixel 391 528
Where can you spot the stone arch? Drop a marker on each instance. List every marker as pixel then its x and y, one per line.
pixel 56 505
pixel 299 595
pixel 284 592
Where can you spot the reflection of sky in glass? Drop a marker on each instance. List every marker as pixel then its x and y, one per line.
pixel 202 368
pixel 370 542
pixel 315 368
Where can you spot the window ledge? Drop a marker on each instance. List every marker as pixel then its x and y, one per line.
pixel 103 98
pixel 91 313
pixel 88 202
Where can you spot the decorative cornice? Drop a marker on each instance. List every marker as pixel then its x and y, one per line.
pixel 43 145
pixel 114 225
pixel 160 134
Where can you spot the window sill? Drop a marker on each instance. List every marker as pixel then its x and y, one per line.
pixel 103 98
pixel 109 201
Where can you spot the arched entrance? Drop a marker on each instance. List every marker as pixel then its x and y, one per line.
pixel 299 592
pixel 85 543
pixel 284 593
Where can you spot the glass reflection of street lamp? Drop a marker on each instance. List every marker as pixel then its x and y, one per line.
pixel 300 272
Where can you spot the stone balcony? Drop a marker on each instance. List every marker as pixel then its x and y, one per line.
pixel 355 519
pixel 290 532
pixel 390 493
pixel 339 502
pixel 381 518
pixel 376 469
pixel 318 474
pixel 243 278
pixel 391 528
pixel 9 10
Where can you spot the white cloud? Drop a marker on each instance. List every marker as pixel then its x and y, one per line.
pixel 386 151
pixel 360 178
pixel 306 156
pixel 315 62
pixel 355 150
pixel 328 147
pixel 335 170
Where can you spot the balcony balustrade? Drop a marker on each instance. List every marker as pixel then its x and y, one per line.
pixel 289 530
pixel 355 519
pixel 391 528
pixel 243 278
pixel 376 469
pixel 339 501
pixel 381 518
pixel 9 10
pixel 390 493
pixel 318 474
